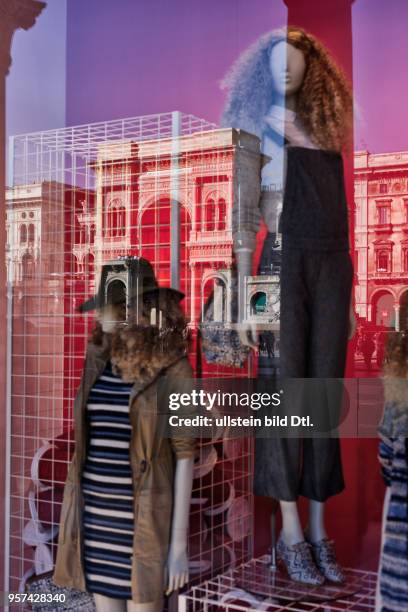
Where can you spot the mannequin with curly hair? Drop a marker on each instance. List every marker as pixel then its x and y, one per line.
pixel 129 557
pixel 287 90
pixel 138 351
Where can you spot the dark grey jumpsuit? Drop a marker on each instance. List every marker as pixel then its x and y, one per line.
pixel 316 281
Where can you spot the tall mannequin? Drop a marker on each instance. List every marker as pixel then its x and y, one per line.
pixel 288 91
pixel 177 561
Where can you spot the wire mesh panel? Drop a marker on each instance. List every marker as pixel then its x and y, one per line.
pixel 255 586
pixel 161 187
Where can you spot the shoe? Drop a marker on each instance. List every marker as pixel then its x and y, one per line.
pixel 299 562
pixel 324 555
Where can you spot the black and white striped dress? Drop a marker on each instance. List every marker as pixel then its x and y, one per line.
pixel 108 520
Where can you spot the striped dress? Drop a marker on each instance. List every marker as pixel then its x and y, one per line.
pixel 108 519
pixel 393 455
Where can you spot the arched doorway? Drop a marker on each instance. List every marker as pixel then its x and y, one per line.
pixel 217 286
pixel 154 241
pixel 383 309
pixel 403 313
pixel 116 292
pixel 258 303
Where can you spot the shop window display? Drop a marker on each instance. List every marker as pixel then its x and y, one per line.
pixel 216 213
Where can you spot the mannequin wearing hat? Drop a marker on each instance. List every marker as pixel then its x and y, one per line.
pixel 177 563
pixel 135 528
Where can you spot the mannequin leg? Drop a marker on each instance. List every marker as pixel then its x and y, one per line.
pixel 316 530
pixel 108 604
pixel 293 352
pixel 291 527
pixel 154 606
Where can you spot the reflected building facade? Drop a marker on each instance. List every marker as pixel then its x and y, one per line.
pixel 381 238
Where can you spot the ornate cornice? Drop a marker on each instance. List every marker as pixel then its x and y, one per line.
pixel 15 14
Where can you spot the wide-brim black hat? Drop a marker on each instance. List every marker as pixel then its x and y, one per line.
pixel 141 282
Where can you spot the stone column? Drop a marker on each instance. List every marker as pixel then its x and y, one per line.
pixel 14 14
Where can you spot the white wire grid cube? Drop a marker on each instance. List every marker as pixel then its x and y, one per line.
pixel 70 208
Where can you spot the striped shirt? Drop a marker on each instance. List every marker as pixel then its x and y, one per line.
pixel 108 519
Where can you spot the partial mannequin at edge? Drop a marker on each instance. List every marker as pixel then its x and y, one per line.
pixel 288 91
pixel 392 583
pixel 124 516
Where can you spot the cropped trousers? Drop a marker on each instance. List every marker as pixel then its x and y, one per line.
pixel 314 323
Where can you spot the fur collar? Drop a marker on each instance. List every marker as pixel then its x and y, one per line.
pixel 135 364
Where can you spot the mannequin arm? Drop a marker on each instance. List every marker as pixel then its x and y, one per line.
pixel 177 562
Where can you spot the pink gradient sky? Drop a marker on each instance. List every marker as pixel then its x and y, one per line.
pixel 140 57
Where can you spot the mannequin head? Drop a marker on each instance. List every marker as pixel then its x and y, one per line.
pixel 288 66
pixel 322 96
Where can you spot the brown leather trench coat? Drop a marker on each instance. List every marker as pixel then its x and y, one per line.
pixel 152 466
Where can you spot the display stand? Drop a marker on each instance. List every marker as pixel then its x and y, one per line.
pixel 257 586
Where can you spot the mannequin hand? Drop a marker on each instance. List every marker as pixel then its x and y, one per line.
pixel 248 334
pixel 177 567
pixel 352 324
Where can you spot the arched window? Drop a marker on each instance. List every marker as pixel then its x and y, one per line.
pixel 222 214
pixel 116 292
pixel 215 214
pixel 31 232
pixel 121 221
pixel 382 261
pixel 28 266
pixel 115 224
pixel 406 260
pixel 210 213
pixel 23 233
pixel 258 303
pixel 114 221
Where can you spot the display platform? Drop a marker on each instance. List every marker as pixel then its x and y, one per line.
pixel 255 586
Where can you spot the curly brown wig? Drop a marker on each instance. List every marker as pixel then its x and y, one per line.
pixel 138 351
pixel 396 356
pixel 324 102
